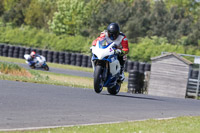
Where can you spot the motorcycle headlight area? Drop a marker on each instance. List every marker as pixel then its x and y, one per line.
pixel 94 56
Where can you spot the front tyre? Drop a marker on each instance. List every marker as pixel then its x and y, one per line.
pixel 32 67
pixel 46 68
pixel 115 89
pixel 98 79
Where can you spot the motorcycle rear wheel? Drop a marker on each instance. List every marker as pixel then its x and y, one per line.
pixel 98 79
pixel 115 89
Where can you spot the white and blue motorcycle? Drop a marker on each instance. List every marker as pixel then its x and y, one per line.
pixel 38 62
pixel 106 67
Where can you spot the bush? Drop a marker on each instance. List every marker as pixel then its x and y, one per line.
pixel 148 48
pixel 31 37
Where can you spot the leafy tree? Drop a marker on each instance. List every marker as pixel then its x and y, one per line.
pixel 178 24
pixel 173 23
pixel 9 4
pixel 69 17
pixel 1 7
pixel 194 36
pixel 39 13
pixel 191 6
pixel 108 12
pixel 158 18
pixel 138 24
pixel 86 29
pixel 15 15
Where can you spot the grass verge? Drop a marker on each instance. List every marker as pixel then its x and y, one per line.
pixel 13 69
pixel 176 125
pixel 43 77
pixel 55 65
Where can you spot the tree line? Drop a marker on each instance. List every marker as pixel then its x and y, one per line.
pixel 175 21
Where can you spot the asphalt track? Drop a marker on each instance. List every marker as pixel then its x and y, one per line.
pixel 29 105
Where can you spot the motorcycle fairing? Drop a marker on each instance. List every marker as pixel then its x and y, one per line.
pixel 101 51
pixel 111 81
pixel 39 61
pixel 110 58
pixel 105 51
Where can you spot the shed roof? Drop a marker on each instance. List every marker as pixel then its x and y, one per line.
pixel 175 55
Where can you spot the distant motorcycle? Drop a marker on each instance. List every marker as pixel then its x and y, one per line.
pixel 38 62
pixel 106 67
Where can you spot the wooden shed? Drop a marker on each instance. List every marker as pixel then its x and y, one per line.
pixel 169 76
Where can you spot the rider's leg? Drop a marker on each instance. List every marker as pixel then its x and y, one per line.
pixel 32 63
pixel 122 62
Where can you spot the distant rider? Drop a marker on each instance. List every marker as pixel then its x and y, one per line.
pixel 113 34
pixel 32 58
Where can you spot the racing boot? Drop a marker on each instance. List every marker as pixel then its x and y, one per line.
pixel 122 77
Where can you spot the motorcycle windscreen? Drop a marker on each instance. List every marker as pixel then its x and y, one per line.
pixel 101 50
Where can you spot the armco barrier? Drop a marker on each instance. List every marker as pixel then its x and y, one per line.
pixel 136 69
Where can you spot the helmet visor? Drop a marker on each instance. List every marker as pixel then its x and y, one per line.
pixel 113 36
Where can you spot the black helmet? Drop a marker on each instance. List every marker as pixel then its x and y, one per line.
pixel 113 31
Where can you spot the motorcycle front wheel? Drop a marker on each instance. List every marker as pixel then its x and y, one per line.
pixel 46 67
pixel 32 67
pixel 115 89
pixel 98 79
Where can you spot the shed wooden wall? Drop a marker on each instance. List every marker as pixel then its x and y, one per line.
pixel 169 77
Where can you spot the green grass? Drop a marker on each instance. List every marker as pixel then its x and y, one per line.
pixel 43 77
pixel 13 69
pixel 16 60
pixel 55 65
pixel 9 67
pixel 39 77
pixel 176 125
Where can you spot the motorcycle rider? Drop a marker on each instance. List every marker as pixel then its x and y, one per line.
pixel 33 55
pixel 113 34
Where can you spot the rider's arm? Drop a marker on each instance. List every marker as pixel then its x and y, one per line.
pixel 125 45
pixel 99 38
